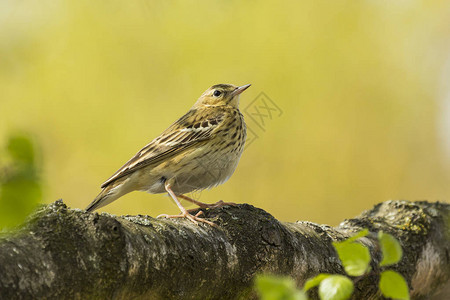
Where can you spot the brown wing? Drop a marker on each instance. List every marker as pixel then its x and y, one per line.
pixel 188 131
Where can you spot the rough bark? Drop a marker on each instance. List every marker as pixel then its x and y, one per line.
pixel 68 253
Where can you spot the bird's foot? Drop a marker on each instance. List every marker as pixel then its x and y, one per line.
pixel 218 204
pixel 214 205
pixel 193 218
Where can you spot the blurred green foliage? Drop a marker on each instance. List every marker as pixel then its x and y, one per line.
pixel 390 248
pixel 360 84
pixel 355 257
pixel 338 287
pixel 393 285
pixel 335 287
pixel 20 183
pixel 271 287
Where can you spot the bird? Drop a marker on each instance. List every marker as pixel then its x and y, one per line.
pixel 198 151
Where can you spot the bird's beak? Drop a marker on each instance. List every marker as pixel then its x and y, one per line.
pixel 240 89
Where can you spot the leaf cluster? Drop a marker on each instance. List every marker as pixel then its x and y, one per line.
pixel 20 182
pixel 355 258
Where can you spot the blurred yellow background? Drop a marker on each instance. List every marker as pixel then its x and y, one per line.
pixel 363 88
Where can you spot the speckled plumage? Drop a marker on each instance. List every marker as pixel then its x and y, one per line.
pixel 200 150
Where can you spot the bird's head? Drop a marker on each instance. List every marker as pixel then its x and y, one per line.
pixel 221 95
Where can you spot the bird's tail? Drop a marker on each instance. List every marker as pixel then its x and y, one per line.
pixel 106 196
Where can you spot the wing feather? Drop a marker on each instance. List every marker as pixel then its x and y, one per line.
pixel 180 136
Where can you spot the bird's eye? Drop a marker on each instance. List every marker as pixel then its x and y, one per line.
pixel 217 93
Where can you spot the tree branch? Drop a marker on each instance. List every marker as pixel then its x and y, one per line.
pixel 68 253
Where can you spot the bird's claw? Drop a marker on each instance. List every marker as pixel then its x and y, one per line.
pixel 194 219
pixel 218 204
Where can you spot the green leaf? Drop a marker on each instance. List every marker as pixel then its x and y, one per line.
pixel 358 235
pixel 390 248
pixel 393 285
pixel 20 185
pixel 335 287
pixel 354 256
pixel 315 281
pixel 271 287
pixel 20 148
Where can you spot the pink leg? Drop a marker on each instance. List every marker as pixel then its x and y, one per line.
pixel 184 213
pixel 205 205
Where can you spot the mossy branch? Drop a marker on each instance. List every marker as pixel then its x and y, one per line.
pixel 68 253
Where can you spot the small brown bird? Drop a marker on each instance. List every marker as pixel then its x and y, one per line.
pixel 199 151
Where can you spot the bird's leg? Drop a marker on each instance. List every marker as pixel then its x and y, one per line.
pixel 184 213
pixel 218 204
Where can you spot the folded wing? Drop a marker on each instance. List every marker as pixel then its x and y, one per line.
pixel 181 135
